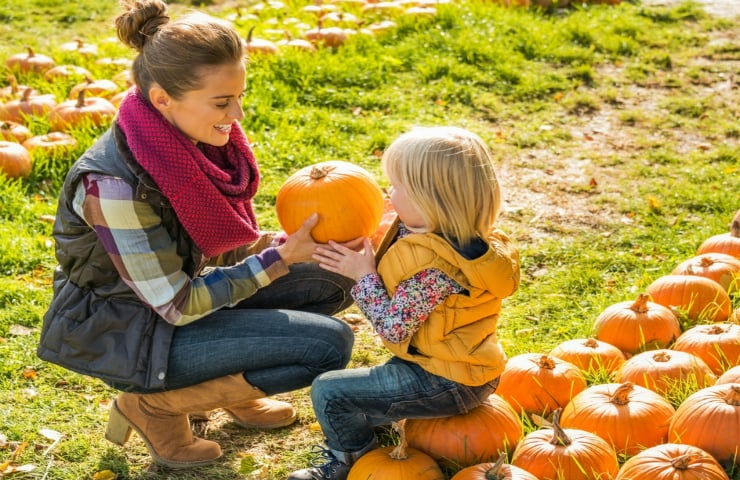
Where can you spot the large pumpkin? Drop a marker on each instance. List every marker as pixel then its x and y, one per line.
pixel 698 297
pixel 565 453
pixel 636 326
pixel 672 461
pixel 346 196
pixel 732 375
pixel 395 463
pixel 629 417
pixel 664 370
pixel 710 419
pixel 538 384
pixel 728 243
pixel 15 161
pixel 723 268
pixel 480 435
pixel 717 344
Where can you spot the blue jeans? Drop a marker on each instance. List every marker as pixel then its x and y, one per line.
pixel 281 338
pixel 349 403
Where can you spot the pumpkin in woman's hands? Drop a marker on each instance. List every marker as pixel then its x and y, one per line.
pixel 346 196
pixel 15 161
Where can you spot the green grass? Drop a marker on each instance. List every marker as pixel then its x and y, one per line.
pixel 615 129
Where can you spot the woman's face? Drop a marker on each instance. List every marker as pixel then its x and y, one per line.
pixel 407 211
pixel 206 115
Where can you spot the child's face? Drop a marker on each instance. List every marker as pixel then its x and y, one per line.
pixel 407 211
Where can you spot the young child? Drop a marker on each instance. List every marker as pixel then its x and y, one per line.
pixel 434 298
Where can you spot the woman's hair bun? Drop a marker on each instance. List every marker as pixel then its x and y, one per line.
pixel 140 20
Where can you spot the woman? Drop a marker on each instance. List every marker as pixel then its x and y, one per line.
pixel 166 289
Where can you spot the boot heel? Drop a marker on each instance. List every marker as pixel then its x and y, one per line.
pixel 118 430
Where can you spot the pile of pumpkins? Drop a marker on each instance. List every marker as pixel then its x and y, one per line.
pixel 679 338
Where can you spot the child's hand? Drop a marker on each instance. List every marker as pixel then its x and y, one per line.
pixel 340 259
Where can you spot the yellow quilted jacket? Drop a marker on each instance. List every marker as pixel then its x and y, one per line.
pixel 458 341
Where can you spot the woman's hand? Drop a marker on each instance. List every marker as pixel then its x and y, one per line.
pixel 344 260
pixel 300 247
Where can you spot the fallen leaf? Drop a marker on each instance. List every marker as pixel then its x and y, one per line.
pixel 29 374
pixel 20 330
pixel 104 475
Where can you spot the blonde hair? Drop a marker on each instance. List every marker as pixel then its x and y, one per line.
pixel 448 174
pixel 175 54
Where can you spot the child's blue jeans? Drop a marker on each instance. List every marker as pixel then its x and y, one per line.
pixel 349 403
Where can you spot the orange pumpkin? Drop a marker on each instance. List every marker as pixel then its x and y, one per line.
pixel 14 132
pixel 14 90
pixel 663 370
pixel 326 36
pixel 61 72
pixel 480 435
pixel 589 354
pixel 257 45
pixel 565 453
pixel 538 384
pixel 395 463
pixel 70 114
pixel 710 419
pixel 672 461
pixel 637 326
pixel 28 105
pixel 493 471
pixel 346 196
pixel 732 375
pixel 15 161
pixel 52 143
pixel 698 297
pixel 720 267
pixel 717 344
pixel 629 417
pixel 102 88
pixel 728 243
pixel 29 61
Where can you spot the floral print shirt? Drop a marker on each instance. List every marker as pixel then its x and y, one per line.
pixel 397 318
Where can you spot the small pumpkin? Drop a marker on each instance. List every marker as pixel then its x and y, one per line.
pixel 732 375
pixel 698 297
pixel 52 143
pixel 672 461
pixel 102 88
pixel 28 105
pixel 15 161
pixel 565 453
pixel 395 463
pixel 255 45
pixel 14 90
pixel 589 354
pixel 636 326
pixel 70 114
pixel 80 46
pixel 728 243
pixel 30 61
pixel 538 384
pixel 710 419
pixel 493 471
pixel 346 196
pixel 480 435
pixel 663 370
pixel 629 417
pixel 331 37
pixel 63 72
pixel 720 267
pixel 717 344
pixel 14 132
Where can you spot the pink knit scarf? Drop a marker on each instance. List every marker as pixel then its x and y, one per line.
pixel 210 188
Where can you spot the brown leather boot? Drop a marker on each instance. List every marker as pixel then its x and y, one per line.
pixel 161 419
pixel 262 413
pixel 167 434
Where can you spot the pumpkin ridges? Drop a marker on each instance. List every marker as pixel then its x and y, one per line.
pixel 698 297
pixel 661 370
pixel 659 463
pixel 728 243
pixel 717 344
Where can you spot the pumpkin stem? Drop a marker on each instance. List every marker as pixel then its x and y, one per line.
pixel 706 262
pixel 735 225
pixel 81 98
pixel 26 94
pixel 591 343
pixel 400 453
pixel 621 394
pixel 733 396
pixel 546 362
pixel 661 357
pixel 684 461
pixel 493 473
pixel 319 172
pixel 640 305
pixel 559 437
